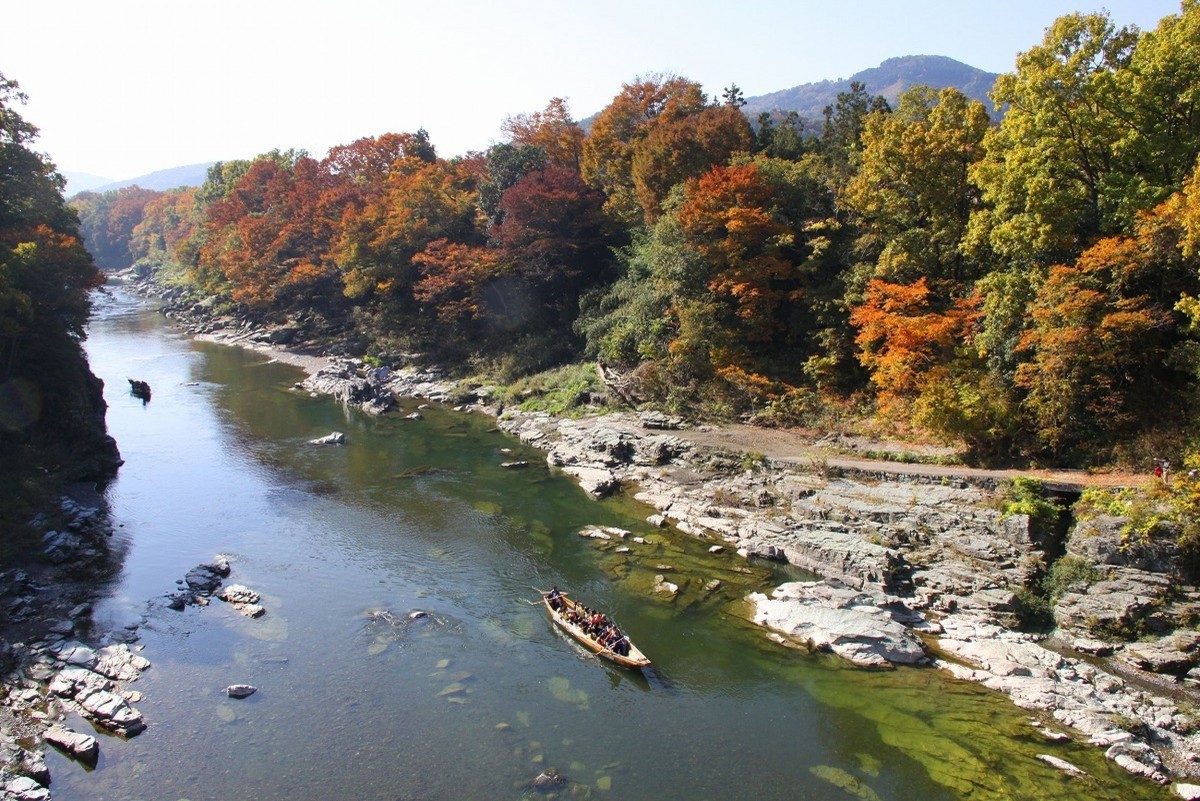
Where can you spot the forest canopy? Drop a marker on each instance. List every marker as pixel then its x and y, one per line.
pixel 1029 287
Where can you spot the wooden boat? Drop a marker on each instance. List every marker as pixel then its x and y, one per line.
pixel 634 660
pixel 139 389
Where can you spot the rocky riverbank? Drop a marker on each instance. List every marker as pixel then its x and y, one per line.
pixel 56 673
pixel 915 568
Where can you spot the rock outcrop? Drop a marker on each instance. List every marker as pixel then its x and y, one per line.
pixel 859 626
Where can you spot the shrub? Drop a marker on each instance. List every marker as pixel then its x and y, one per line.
pixel 1066 573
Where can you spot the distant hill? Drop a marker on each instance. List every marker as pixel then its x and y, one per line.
pixel 83 181
pixel 888 79
pixel 161 180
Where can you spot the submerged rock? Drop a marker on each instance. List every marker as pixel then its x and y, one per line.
pixel 334 438
pixel 1061 764
pixel 549 779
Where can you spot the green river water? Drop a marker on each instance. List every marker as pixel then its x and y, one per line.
pixel 476 699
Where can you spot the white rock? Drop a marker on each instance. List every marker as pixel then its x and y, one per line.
pixel 335 438
pixel 24 788
pixel 663 586
pixel 839 620
pixel 1189 792
pixel 238 594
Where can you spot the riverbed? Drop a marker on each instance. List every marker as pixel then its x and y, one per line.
pixel 479 695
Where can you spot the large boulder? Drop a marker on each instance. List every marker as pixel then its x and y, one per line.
pixel 1101 540
pixel 858 626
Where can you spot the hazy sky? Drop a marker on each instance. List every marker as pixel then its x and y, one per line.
pixel 120 89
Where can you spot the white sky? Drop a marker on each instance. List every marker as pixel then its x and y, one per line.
pixel 120 88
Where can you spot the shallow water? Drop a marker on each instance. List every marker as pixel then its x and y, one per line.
pixel 474 700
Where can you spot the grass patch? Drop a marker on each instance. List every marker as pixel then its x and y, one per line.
pixel 569 391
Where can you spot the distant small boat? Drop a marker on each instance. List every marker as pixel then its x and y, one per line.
pixel 634 660
pixel 139 389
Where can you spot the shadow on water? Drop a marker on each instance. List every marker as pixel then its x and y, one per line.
pixel 482 693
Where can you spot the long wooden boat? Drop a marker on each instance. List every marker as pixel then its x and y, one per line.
pixel 634 660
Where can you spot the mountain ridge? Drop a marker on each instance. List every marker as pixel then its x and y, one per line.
pixel 159 180
pixel 890 79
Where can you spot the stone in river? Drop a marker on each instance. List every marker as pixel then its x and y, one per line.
pixel 240 690
pixel 1189 792
pixel 81 746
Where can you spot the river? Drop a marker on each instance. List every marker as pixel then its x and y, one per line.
pixel 475 699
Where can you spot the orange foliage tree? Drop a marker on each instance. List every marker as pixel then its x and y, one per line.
pixel 552 130
pixel 728 216
pixel 452 278
pixel 607 159
pixel 271 235
pixel 676 148
pixel 420 202
pixel 902 337
pixel 1092 353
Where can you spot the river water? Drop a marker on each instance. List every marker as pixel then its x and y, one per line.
pixel 357 701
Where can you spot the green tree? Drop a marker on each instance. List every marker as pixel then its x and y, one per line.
pixel 912 193
pixel 1053 164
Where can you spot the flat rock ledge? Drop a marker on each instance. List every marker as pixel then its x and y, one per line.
pixel 1074 692
pixel 861 627
pixel 89 684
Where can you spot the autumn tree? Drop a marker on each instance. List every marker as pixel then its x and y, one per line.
pixel 676 148
pixel 271 235
pixel 505 165
pixel 452 283
pixel 553 131
pixel 607 159
pixel 368 161
pixel 163 239
pixel 905 334
pixel 107 221
pixel 552 241
pixel 420 202
pixel 51 409
pixel 1095 353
